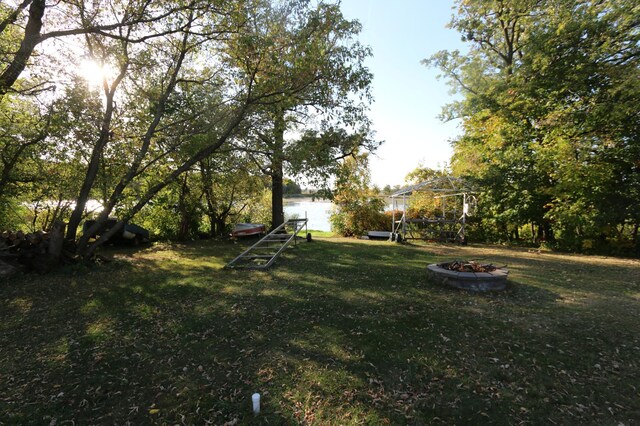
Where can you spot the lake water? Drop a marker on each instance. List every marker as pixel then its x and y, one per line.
pixel 316 211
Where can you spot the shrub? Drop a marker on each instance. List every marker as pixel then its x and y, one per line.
pixel 358 216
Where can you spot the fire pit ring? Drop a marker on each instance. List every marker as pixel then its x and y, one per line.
pixel 492 280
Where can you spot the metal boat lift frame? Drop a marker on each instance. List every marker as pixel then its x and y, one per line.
pixel 264 253
pixel 450 228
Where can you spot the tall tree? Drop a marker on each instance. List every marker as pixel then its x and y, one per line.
pixel 548 114
pixel 161 118
pixel 313 66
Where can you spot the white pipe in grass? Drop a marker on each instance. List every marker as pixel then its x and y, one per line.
pixel 255 398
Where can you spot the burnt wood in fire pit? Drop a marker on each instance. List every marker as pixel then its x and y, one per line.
pixel 462 276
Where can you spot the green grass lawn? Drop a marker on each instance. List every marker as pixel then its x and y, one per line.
pixel 338 332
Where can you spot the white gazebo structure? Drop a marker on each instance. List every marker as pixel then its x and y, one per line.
pixel 456 201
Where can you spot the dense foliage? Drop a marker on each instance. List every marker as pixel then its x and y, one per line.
pixel 171 113
pixel 550 94
pixel 426 203
pixel 357 208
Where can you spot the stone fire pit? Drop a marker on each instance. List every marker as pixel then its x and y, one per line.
pixel 469 275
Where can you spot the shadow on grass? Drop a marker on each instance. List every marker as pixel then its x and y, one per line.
pixel 339 332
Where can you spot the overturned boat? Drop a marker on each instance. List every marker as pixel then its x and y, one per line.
pixel 248 229
pixel 130 232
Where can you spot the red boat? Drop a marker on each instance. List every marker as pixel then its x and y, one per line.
pixel 248 229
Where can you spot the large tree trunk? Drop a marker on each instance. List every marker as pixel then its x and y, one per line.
pixel 89 179
pixel 540 234
pixel 207 190
pixel 277 203
pixel 220 226
pixel 277 175
pixel 548 232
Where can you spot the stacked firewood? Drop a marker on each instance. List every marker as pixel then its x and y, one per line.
pixel 37 251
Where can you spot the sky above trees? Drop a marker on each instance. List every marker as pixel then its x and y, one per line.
pixel 408 96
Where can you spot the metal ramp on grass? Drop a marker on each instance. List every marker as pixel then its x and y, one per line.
pixel 264 253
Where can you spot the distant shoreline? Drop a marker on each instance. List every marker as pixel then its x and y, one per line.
pixel 305 196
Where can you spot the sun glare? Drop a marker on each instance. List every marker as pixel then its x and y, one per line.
pixel 94 73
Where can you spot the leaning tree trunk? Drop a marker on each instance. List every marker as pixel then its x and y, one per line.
pixel 87 251
pixel 96 155
pixel 87 184
pixel 134 167
pixel 31 38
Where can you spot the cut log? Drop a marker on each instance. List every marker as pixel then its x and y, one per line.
pixel 38 251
